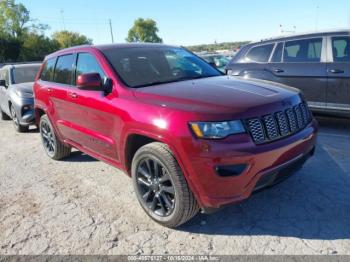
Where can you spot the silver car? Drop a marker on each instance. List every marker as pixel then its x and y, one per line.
pixel 16 94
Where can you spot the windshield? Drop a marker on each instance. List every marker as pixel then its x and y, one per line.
pixel 146 66
pixel 24 74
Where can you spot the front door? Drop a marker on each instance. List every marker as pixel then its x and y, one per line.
pixel 338 91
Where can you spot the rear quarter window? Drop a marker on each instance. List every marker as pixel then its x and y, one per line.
pixel 258 54
pixel 48 70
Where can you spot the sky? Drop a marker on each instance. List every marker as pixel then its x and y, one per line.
pixel 191 22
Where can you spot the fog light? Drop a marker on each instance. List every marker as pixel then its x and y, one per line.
pixel 230 170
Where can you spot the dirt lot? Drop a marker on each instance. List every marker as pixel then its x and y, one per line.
pixel 83 206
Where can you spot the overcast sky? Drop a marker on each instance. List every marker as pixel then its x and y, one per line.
pixel 188 22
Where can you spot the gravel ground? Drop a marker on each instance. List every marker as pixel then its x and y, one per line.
pixel 83 206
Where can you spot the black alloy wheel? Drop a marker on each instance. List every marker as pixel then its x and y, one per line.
pixel 155 187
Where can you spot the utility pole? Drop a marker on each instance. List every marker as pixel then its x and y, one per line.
pixel 111 29
pixel 64 24
pixel 316 18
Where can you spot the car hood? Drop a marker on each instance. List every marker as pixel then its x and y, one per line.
pixel 23 87
pixel 218 94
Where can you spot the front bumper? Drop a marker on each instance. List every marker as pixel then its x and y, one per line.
pixel 266 164
pixel 25 110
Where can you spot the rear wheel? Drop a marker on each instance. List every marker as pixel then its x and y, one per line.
pixel 161 187
pixel 54 148
pixel 19 128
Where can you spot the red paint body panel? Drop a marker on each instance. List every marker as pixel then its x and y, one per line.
pixel 100 125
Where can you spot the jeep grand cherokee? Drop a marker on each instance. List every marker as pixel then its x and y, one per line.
pixel 189 137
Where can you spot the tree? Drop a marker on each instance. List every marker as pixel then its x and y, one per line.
pixel 67 39
pixel 35 47
pixel 9 49
pixel 14 18
pixel 144 30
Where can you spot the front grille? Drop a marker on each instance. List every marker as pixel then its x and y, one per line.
pixel 279 124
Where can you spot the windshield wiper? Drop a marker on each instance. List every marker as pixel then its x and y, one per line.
pixel 173 81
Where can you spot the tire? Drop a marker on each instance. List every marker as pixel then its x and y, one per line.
pixel 54 148
pixel 4 116
pixel 18 127
pixel 181 205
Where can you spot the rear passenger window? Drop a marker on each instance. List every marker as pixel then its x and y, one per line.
pixel 64 69
pixel 277 54
pixel 341 49
pixel 88 64
pixel 303 51
pixel 260 54
pixel 47 73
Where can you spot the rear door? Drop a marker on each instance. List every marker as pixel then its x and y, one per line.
pixel 92 123
pixel 338 69
pixel 58 89
pixel 302 64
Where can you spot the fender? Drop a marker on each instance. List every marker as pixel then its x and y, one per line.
pixel 169 142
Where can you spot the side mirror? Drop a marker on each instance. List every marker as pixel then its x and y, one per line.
pixel 90 81
pixel 2 82
pixel 213 64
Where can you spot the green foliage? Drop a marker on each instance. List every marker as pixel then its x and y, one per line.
pixel 67 39
pixel 218 46
pixel 23 40
pixel 144 30
pixel 14 18
pixel 35 47
pixel 9 49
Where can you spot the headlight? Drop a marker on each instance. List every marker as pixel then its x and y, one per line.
pixel 217 130
pixel 24 94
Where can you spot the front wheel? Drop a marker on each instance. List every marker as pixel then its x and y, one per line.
pixel 54 148
pixel 16 123
pixel 160 186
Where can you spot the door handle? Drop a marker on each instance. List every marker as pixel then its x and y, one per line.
pixel 73 95
pixel 336 71
pixel 49 90
pixel 278 70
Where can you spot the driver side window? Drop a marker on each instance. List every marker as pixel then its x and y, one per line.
pixel 4 75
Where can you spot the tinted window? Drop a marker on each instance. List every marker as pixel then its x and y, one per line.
pixel 24 74
pixel 88 64
pixel 277 54
pixel 307 50
pixel 63 70
pixel 4 75
pixel 260 54
pixel 145 66
pixel 47 72
pixel 341 49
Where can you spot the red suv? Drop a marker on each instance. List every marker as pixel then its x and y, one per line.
pixel 190 137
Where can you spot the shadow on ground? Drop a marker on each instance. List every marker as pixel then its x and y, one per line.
pixel 77 156
pixel 312 204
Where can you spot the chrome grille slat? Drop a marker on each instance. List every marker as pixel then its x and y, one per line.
pixel 279 124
